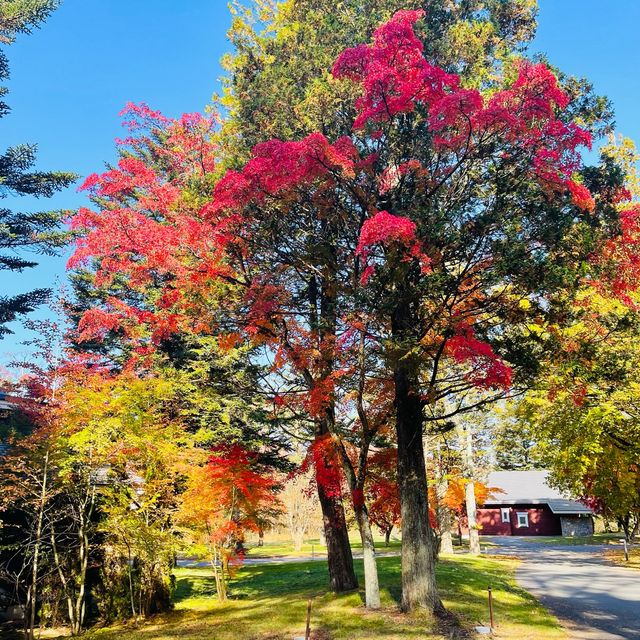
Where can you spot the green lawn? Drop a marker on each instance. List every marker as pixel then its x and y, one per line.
pixel 285 548
pixel 268 602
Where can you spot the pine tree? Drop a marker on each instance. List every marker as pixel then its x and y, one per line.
pixel 32 232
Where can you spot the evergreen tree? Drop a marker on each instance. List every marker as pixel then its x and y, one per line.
pixel 32 232
pixel 515 448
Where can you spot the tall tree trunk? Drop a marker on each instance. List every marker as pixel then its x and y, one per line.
pixel 470 495
pixel 387 536
pixel 445 519
pixel 446 542
pixel 419 589
pixel 342 575
pixel 418 557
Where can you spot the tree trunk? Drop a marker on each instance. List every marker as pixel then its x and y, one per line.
pixel 387 536
pixel 446 542
pixel 339 557
pixel 63 580
pixel 443 513
pixel 32 592
pixel 470 495
pixel 419 589
pixel 298 541
pixel 218 573
pixel 474 536
pixel 356 486
pixel 371 585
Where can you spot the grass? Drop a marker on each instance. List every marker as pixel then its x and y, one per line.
pixel 285 548
pixel 617 556
pixel 269 603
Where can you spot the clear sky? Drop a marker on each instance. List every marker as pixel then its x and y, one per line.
pixel 70 79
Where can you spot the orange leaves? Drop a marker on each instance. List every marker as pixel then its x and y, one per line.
pixel 382 489
pixel 581 196
pixel 455 495
pixel 228 495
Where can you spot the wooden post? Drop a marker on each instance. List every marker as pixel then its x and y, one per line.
pixel 307 633
pixel 491 625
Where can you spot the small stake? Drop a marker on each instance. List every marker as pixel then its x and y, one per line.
pixel 626 550
pixel 491 625
pixel 307 633
pixel 312 553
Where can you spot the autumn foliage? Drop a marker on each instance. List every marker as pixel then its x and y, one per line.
pixel 445 224
pixel 226 498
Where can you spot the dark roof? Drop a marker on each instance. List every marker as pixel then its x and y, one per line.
pixel 568 507
pixel 531 487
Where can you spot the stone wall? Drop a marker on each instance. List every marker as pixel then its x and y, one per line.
pixel 573 526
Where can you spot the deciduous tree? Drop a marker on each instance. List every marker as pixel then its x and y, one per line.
pixel 449 218
pixel 225 498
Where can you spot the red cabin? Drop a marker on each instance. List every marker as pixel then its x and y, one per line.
pixel 528 506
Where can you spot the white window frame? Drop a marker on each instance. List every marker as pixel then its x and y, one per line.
pixel 505 515
pixel 522 515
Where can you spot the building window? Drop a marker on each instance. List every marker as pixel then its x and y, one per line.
pixel 523 519
pixel 504 515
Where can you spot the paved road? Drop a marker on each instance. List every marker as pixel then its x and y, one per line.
pixel 596 600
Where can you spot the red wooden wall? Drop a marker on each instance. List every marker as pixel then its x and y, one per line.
pixel 542 522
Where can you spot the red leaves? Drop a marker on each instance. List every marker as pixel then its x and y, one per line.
pixel 394 74
pixel 327 464
pixel 383 228
pixel 619 260
pixel 96 323
pixel 278 167
pixel 386 229
pixel 396 79
pixel 150 233
pixel 488 370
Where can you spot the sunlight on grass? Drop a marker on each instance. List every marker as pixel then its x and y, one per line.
pixel 313 546
pixel 268 602
pixel 617 556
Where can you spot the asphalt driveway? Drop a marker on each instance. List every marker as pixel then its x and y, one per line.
pixel 596 600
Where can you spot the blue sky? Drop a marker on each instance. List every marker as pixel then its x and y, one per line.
pixel 70 79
